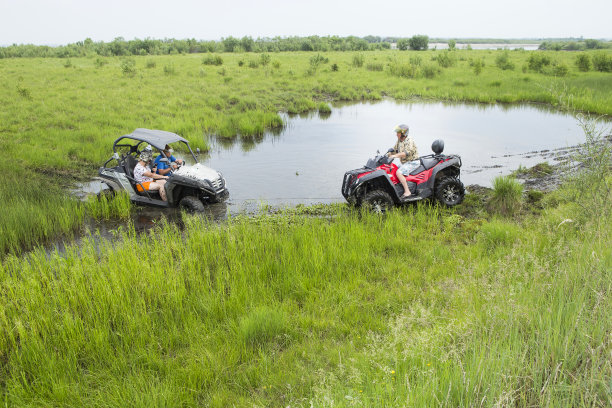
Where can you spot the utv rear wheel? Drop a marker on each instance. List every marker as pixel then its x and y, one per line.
pixel 191 204
pixel 450 191
pixel 106 194
pixel 378 200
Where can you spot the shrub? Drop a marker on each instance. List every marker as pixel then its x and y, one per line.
pixel 560 70
pixel 583 62
pixel 477 65
pixel 446 59
pixel 419 42
pixel 507 195
pixel 358 60
pixel 503 61
pixel 128 67
pixel 68 63
pixel 276 65
pixel 592 44
pixel 212 60
pixel 403 44
pixel 602 62
pixel 334 67
pixel 315 62
pixel 264 59
pixel 452 44
pixel 151 64
pixel 537 61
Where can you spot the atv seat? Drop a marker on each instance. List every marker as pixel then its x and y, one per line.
pixel 426 164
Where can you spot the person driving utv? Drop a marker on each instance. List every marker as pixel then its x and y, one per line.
pixel 405 149
pixel 164 168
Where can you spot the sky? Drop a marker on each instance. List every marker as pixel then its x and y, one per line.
pixel 58 22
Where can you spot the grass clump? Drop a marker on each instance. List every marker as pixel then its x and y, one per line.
pixel 262 325
pixel 324 108
pixel 215 60
pixel 109 206
pixel 507 196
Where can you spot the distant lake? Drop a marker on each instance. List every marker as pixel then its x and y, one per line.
pixel 491 46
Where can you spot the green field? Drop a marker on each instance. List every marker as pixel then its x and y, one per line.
pixel 422 307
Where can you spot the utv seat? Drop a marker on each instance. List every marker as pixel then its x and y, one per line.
pixel 129 163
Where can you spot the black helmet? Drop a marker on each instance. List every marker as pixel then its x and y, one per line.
pixel 403 129
pixel 437 146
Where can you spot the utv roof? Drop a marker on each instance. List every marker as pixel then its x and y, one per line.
pixel 156 138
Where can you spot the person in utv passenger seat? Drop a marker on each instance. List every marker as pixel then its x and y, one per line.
pixel 149 180
pixel 405 149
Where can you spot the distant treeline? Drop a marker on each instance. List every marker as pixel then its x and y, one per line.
pixel 121 47
pixel 574 45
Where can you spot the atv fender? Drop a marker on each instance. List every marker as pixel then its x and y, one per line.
pixel 449 167
pixel 378 179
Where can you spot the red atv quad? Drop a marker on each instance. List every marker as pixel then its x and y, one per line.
pixel 376 184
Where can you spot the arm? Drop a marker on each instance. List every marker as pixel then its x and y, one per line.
pixel 154 176
pixel 165 171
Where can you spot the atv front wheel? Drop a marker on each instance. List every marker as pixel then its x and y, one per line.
pixel 378 200
pixel 191 204
pixel 450 191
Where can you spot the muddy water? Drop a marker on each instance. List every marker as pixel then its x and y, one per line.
pixel 304 163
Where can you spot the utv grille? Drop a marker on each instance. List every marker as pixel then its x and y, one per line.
pixel 217 184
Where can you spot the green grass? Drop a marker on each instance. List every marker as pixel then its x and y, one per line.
pixel 60 121
pixel 421 307
pixel 507 195
pixel 287 310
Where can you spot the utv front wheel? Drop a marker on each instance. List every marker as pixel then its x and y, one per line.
pixel 191 204
pixel 379 201
pixel 450 191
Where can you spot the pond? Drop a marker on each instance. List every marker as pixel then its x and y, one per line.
pixel 306 161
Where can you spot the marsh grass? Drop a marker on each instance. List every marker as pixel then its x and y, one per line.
pixel 292 310
pixel 507 196
pixel 106 206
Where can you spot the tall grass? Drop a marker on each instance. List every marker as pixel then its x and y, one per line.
pixel 299 311
pixel 507 196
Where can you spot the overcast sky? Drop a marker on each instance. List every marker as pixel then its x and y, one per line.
pixel 66 21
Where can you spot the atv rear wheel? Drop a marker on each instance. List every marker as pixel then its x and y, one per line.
pixel 378 200
pixel 191 204
pixel 450 191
